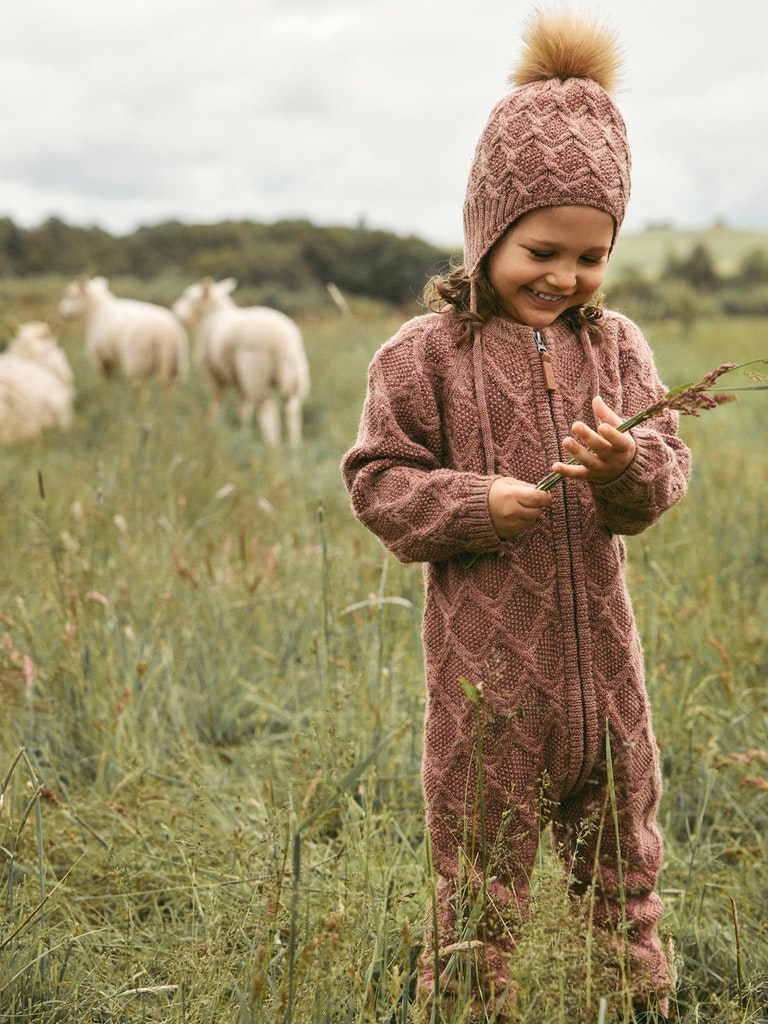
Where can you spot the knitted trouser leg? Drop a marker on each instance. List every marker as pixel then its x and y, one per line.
pixel 621 807
pixel 484 833
pixel 470 949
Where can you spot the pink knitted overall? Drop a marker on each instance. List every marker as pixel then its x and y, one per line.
pixel 541 626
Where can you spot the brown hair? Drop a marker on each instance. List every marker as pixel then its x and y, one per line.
pixel 451 294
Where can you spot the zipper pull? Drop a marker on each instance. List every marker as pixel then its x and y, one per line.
pixel 546 362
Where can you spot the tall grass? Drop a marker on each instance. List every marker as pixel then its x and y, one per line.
pixel 212 690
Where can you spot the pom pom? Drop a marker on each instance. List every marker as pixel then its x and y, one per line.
pixel 564 45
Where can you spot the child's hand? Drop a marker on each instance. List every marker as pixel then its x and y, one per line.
pixel 600 455
pixel 515 505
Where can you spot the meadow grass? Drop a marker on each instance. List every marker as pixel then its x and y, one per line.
pixel 212 689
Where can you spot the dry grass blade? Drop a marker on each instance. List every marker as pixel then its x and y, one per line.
pixel 687 399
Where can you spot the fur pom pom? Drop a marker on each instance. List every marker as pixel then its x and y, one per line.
pixel 563 45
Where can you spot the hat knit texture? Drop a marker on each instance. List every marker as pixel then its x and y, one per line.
pixel 557 139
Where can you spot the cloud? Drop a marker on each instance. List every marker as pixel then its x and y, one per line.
pixel 349 110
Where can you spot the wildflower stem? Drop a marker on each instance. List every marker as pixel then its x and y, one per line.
pixel 553 479
pixel 687 399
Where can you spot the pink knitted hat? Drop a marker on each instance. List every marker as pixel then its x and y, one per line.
pixel 556 140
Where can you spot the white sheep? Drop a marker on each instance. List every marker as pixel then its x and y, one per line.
pixel 37 389
pixel 141 339
pixel 257 351
pixel 35 340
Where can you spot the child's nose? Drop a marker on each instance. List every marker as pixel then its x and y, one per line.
pixel 562 275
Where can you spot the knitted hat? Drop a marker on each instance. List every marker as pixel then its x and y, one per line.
pixel 556 140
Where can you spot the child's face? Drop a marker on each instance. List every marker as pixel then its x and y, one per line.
pixel 550 260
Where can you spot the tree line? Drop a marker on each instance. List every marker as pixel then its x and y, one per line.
pixel 284 262
pixel 692 286
pixel 289 264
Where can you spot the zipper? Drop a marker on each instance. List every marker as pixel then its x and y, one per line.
pixel 551 385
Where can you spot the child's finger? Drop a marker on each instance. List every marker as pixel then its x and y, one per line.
pixel 604 413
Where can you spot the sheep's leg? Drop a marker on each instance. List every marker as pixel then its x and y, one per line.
pixel 216 400
pixel 245 410
pixel 293 420
pixel 169 375
pixel 269 421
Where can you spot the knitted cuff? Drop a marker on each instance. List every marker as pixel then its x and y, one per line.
pixel 643 468
pixel 481 534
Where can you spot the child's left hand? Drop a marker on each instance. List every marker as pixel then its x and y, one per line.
pixel 600 455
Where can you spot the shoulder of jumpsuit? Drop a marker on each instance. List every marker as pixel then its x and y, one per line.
pixel 425 341
pixel 620 328
pixel 428 344
pixel 619 333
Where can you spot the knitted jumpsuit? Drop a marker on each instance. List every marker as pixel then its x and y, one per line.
pixel 541 626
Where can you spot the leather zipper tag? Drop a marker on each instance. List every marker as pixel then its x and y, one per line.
pixel 549 373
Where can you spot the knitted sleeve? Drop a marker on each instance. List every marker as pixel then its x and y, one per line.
pixel 421 510
pixel 658 476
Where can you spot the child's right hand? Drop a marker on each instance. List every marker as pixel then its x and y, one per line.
pixel 515 506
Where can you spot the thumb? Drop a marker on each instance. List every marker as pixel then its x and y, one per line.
pixel 603 413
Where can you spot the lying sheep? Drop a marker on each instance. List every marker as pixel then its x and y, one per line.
pixel 35 340
pixel 140 339
pixel 37 390
pixel 255 350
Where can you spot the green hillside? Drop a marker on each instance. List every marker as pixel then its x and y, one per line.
pixel 649 250
pixel 288 264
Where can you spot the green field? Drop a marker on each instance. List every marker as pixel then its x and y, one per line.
pixel 648 251
pixel 212 691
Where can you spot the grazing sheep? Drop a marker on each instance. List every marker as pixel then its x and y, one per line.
pixel 255 350
pixel 37 389
pixel 140 339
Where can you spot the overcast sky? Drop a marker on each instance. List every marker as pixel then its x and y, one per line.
pixel 130 113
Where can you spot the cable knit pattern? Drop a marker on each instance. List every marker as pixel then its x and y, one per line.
pixel 541 625
pixel 551 143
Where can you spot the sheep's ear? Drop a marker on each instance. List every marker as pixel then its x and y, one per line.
pixel 228 285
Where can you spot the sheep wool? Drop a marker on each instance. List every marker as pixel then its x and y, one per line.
pixel 37 388
pixel 256 351
pixel 557 139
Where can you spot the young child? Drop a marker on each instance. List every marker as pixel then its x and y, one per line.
pixel 470 405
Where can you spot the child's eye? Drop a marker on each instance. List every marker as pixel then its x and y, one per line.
pixel 541 255
pixel 593 261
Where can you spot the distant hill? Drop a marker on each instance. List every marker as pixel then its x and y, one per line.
pixel 649 250
pixel 288 264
